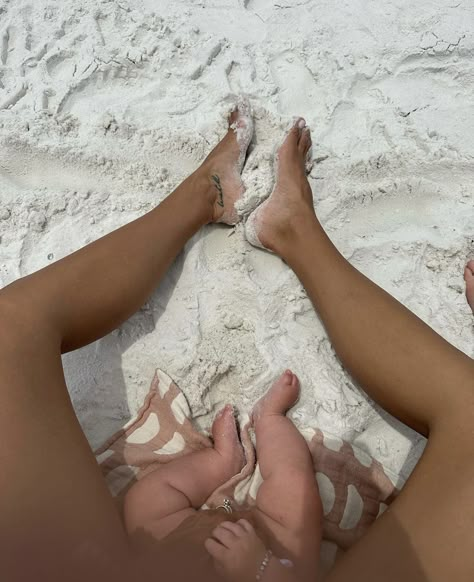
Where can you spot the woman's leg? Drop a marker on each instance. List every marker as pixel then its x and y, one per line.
pixel 56 513
pixel 428 532
pixel 288 500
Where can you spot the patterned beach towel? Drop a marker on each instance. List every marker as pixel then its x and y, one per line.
pixel 355 488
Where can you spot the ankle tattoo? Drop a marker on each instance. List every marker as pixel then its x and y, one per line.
pixel 218 185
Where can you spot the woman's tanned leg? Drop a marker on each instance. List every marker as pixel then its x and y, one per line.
pixel 58 520
pixel 406 367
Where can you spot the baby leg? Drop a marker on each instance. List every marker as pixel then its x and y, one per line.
pixel 288 501
pixel 165 498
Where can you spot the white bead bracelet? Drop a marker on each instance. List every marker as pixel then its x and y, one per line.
pixel 263 565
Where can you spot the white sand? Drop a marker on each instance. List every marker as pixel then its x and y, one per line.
pixel 106 106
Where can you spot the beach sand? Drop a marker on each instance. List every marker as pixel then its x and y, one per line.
pixel 106 106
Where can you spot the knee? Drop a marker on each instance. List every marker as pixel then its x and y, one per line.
pixel 455 425
pixel 13 300
pixel 301 481
pixel 11 313
pixel 304 486
pixel 22 323
pixel 298 511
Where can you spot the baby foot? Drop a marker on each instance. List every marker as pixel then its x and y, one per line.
pixel 227 442
pixel 282 395
pixel 224 164
pixel 469 278
pixel 291 202
pixel 237 551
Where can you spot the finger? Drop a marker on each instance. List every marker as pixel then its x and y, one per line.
pixel 226 537
pixel 246 525
pixel 232 527
pixel 215 549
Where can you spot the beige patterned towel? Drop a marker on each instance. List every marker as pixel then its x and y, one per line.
pixel 355 488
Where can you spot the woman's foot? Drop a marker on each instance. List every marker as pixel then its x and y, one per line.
pixel 290 205
pixel 469 278
pixel 223 166
pixel 227 442
pixel 282 395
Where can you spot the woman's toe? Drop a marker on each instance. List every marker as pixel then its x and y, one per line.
pixel 305 142
pixel 294 135
pixel 469 278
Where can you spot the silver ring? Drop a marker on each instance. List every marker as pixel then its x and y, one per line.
pixel 226 506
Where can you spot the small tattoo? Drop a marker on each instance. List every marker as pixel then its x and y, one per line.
pixel 218 185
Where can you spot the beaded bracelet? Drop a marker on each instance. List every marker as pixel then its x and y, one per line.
pixel 263 565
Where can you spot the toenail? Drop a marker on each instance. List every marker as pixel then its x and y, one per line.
pixel 301 123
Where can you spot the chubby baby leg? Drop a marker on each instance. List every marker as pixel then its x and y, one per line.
pixel 288 501
pixel 162 500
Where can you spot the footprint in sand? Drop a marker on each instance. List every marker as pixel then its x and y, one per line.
pixel 4 42
pixel 298 92
pixel 242 75
pixel 13 86
pixel 258 4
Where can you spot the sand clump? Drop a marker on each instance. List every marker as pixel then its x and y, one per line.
pixel 105 107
